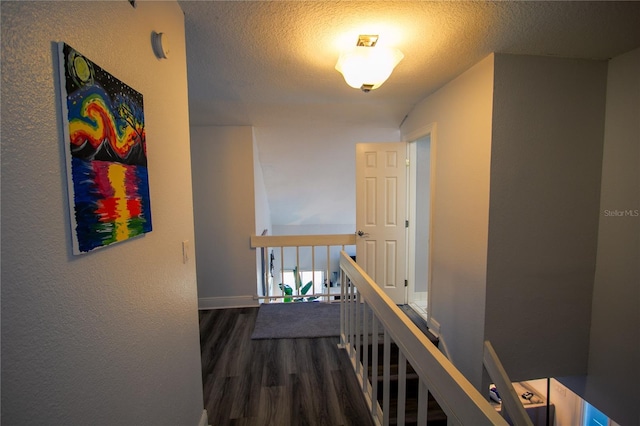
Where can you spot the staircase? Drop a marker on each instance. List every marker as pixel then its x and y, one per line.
pixel 359 293
pixel 367 314
pixel 435 415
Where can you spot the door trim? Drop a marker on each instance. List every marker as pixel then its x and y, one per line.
pixel 411 138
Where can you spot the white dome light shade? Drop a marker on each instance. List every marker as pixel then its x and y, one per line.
pixel 368 66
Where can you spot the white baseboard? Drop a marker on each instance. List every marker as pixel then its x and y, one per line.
pixel 434 326
pixel 227 302
pixel 204 419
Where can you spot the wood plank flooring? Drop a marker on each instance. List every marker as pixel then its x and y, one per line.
pixel 274 382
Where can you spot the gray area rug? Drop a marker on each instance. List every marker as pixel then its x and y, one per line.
pixel 297 320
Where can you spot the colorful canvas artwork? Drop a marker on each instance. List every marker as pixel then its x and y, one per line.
pixel 106 154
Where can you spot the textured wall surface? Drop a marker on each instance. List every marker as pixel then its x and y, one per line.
pixel 548 126
pixel 109 337
pixel 614 356
pixel 462 146
pixel 224 207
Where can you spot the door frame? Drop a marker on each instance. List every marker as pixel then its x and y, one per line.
pixel 411 139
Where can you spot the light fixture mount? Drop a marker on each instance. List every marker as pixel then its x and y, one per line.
pixel 367 40
pixel 366 88
pixel 366 66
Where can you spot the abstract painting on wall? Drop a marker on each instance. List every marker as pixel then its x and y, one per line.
pixel 108 185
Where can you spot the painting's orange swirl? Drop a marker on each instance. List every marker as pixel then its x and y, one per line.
pixel 101 126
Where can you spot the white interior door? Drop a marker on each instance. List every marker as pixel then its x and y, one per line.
pixel 381 213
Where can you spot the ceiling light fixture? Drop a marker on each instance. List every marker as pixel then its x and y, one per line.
pixel 367 66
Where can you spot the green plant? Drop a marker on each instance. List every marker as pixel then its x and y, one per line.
pixel 302 289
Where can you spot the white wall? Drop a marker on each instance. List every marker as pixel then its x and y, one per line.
pixel 548 126
pixel 422 223
pixel 225 216
pixel 462 112
pixel 309 172
pixel 614 352
pixel 263 212
pixel 109 337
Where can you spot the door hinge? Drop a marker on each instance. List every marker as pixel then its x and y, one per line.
pixel 406 223
pixel 407 162
pixel 406 283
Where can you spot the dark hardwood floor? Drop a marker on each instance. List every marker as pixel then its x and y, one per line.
pixel 274 382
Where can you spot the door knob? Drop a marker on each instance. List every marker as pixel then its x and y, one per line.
pixel 362 234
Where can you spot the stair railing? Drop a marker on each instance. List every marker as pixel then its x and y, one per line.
pixel 510 402
pixel 366 313
pixel 288 261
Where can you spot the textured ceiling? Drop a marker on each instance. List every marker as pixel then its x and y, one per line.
pixel 271 63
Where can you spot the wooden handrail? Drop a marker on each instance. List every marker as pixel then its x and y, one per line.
pixel 459 399
pixel 302 240
pixel 510 401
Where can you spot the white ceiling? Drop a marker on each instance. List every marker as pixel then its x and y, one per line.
pixel 271 64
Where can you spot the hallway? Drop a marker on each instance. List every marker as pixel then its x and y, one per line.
pixel 274 382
